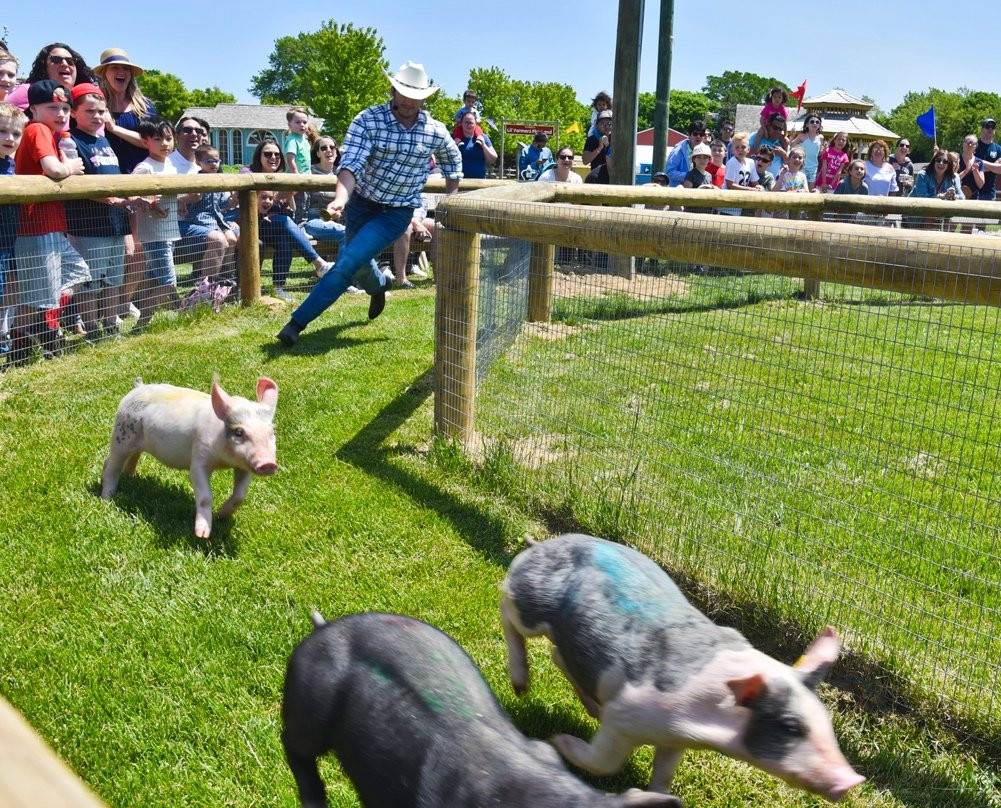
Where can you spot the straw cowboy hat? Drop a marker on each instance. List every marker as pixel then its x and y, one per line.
pixel 116 56
pixel 411 81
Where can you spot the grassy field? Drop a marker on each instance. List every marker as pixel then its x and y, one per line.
pixel 153 662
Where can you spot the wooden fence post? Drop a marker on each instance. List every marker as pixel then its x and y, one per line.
pixel 540 283
pixel 457 276
pixel 811 286
pixel 249 249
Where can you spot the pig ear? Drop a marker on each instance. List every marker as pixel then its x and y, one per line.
pixel 221 402
pixel 817 660
pixel 267 392
pixel 747 690
pixel 634 798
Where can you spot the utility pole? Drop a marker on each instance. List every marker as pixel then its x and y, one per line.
pixel 625 91
pixel 662 108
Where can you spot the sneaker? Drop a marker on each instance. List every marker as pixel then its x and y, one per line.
pixel 281 294
pixel 129 310
pixel 354 290
pixel 405 284
pixel 378 300
pixel 81 329
pixel 319 273
pixel 387 273
pixel 417 272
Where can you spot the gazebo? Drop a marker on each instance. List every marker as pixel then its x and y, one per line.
pixel 839 111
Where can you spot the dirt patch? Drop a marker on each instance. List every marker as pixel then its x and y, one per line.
pixel 552 331
pixel 591 281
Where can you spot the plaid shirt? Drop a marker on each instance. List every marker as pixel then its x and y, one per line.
pixel 390 162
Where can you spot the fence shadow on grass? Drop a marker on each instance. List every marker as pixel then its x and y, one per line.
pixel 483 531
pixel 169 510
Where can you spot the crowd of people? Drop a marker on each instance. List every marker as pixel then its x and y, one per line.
pixel 90 264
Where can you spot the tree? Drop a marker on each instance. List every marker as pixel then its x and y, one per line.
pixel 336 71
pixel 736 87
pixel 209 97
pixel 166 91
pixel 957 114
pixel 504 97
pixel 685 107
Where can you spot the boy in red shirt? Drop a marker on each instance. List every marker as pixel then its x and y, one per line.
pixel 46 262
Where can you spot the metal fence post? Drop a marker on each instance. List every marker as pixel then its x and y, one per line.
pixel 457 278
pixel 249 249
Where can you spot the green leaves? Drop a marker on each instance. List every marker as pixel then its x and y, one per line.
pixel 336 71
pixel 171 97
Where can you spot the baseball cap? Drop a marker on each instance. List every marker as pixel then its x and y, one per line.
pixel 86 88
pixel 541 136
pixel 702 149
pixel 988 122
pixel 47 91
pixel 605 113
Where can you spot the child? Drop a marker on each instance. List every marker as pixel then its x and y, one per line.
pixel 812 142
pixel 763 161
pixel 855 182
pixel 468 106
pixel 204 227
pixel 157 222
pixel 775 102
pixel 8 72
pixel 98 227
pixel 832 161
pixel 741 174
pixel 47 264
pixel 699 177
pixel 12 123
pixel 792 178
pixel 296 146
pixel 717 166
pixel 599 104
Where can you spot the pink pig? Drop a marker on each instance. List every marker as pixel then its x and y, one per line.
pixel 187 429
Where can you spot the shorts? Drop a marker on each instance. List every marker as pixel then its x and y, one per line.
pixel 46 265
pixel 105 255
pixel 160 262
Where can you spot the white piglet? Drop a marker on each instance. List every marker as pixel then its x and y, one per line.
pixel 188 429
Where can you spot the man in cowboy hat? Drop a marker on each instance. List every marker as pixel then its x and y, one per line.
pixel 383 169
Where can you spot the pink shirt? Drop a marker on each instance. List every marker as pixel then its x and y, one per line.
pixel 831 163
pixel 768 110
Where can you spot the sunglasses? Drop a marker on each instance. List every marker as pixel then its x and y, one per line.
pixel 727 128
pixel 62 60
pixel 565 157
pixel 990 126
pixel 328 148
pixel 271 155
pixel 813 120
pixel 903 145
pixel 192 130
pixel 210 160
pixel 940 161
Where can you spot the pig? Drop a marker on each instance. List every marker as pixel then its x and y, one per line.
pixel 414 725
pixel 188 429
pixel 655 670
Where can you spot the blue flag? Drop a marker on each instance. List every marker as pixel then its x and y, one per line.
pixel 926 122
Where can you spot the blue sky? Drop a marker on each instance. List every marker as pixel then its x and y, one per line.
pixel 879 54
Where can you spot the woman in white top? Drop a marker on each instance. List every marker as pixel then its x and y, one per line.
pixel 563 170
pixel 880 175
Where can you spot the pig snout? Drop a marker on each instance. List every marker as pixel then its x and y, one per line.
pixel 265 468
pixel 845 781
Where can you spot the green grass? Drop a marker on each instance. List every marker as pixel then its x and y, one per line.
pixel 153 662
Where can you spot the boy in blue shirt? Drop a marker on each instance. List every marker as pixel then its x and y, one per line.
pixel 97 227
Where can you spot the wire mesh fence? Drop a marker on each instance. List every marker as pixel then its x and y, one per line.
pixel 807 458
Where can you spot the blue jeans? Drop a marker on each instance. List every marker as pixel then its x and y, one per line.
pixel 368 229
pixel 331 232
pixel 280 232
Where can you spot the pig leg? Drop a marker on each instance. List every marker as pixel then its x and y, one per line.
pixel 665 761
pixel 203 500
pixel 517 659
pixel 117 463
pixel 606 753
pixel 241 482
pixel 312 793
pixel 592 707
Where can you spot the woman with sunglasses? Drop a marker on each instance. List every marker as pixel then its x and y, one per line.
pixel 563 170
pixel 903 166
pixel 277 228
pixel 58 62
pixel 937 180
pixel 811 141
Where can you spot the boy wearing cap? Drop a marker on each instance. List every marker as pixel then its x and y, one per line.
pixel 47 263
pixel 534 158
pixel 597 148
pixel 699 177
pixel 97 227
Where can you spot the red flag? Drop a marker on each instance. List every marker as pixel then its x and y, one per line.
pixel 799 95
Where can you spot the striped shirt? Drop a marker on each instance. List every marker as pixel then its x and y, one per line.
pixel 390 162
